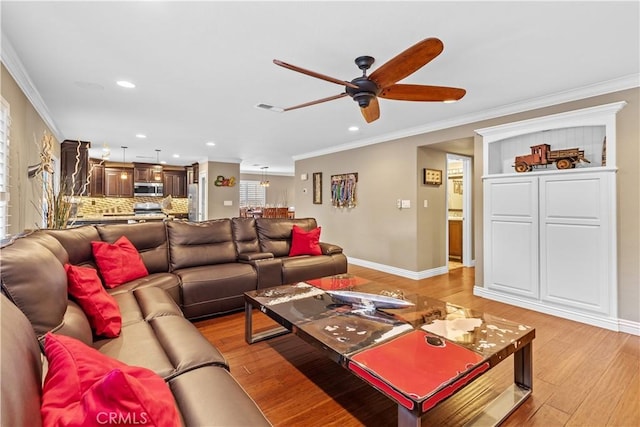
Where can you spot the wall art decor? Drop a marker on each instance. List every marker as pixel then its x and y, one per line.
pixel 221 181
pixel 343 190
pixel 432 176
pixel 317 188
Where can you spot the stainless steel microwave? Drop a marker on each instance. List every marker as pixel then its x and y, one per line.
pixel 147 189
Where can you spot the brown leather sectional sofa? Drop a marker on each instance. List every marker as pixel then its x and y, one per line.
pixel 195 270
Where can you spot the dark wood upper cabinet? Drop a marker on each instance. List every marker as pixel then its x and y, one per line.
pixel 114 185
pixel 74 166
pixel 144 172
pixel 192 173
pixel 96 184
pixel 175 183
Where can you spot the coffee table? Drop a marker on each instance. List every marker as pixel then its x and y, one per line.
pixel 418 356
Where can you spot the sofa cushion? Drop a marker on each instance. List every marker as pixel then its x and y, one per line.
pixel 216 289
pixel 167 281
pixel 305 242
pixel 298 269
pixel 245 235
pixel 193 244
pixel 77 243
pixel 274 234
pixel 30 271
pixel 100 307
pixel 149 238
pixel 118 262
pixel 75 324
pixel 21 369
pixel 227 403
pixel 137 345
pixel 83 385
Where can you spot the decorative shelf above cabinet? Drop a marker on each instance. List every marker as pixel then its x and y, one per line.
pixel 549 235
pixel 590 129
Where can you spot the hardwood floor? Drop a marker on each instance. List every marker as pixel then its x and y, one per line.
pixel 583 375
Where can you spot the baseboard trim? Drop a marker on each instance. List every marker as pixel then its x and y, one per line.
pixel 613 324
pixel 629 327
pixel 414 275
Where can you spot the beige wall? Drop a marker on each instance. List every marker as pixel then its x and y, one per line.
pixel 376 231
pixel 25 136
pixel 281 189
pixel 216 196
pixel 414 240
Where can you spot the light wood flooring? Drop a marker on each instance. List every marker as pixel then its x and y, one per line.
pixel 583 375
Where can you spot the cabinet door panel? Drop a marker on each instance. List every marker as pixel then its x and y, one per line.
pixel 513 258
pixel 511 242
pixel 575 241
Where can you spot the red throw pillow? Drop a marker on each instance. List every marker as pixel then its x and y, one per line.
pixel 103 312
pixel 305 243
pixel 119 262
pixel 84 387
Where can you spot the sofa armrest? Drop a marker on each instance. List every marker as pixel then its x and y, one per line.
pixel 330 249
pixel 269 271
pixel 253 256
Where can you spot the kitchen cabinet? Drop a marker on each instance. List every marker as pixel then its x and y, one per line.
pixel 96 183
pixel 549 235
pixel 175 183
pixel 114 185
pixel 192 173
pixel 74 165
pixel 143 172
pixel 455 240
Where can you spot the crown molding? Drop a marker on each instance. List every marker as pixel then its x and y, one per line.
pixel 14 66
pixel 622 83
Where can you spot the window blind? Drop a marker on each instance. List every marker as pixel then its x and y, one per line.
pixel 252 194
pixel 4 168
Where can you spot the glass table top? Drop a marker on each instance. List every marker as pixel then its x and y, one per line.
pixel 415 351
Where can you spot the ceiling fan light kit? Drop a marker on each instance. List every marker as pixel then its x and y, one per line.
pixel 382 83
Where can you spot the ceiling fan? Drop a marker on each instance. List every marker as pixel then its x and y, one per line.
pixel 365 90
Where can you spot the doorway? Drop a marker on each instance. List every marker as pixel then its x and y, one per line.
pixel 459 216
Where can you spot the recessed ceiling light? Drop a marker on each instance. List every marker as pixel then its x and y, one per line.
pixel 126 84
pixel 141 136
pixel 176 156
pixel 354 128
pixel 211 143
pixel 450 101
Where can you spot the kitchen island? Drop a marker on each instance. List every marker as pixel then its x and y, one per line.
pixel 116 219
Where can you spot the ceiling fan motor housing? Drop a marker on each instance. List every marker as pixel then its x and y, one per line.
pixel 366 90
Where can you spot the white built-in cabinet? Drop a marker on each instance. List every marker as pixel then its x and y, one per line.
pixel 549 235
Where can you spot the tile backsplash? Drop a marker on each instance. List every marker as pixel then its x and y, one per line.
pixel 91 206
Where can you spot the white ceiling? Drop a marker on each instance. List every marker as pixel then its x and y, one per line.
pixel 201 67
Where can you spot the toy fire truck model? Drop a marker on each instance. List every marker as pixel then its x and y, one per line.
pixel 542 155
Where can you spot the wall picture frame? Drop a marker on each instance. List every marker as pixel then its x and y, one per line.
pixel 317 188
pixel 432 176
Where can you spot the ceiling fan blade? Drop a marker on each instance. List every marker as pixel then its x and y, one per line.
pixel 422 93
pixel 318 101
pixel 314 74
pixel 371 113
pixel 407 62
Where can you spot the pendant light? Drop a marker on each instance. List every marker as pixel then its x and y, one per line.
pixel 123 174
pixel 264 182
